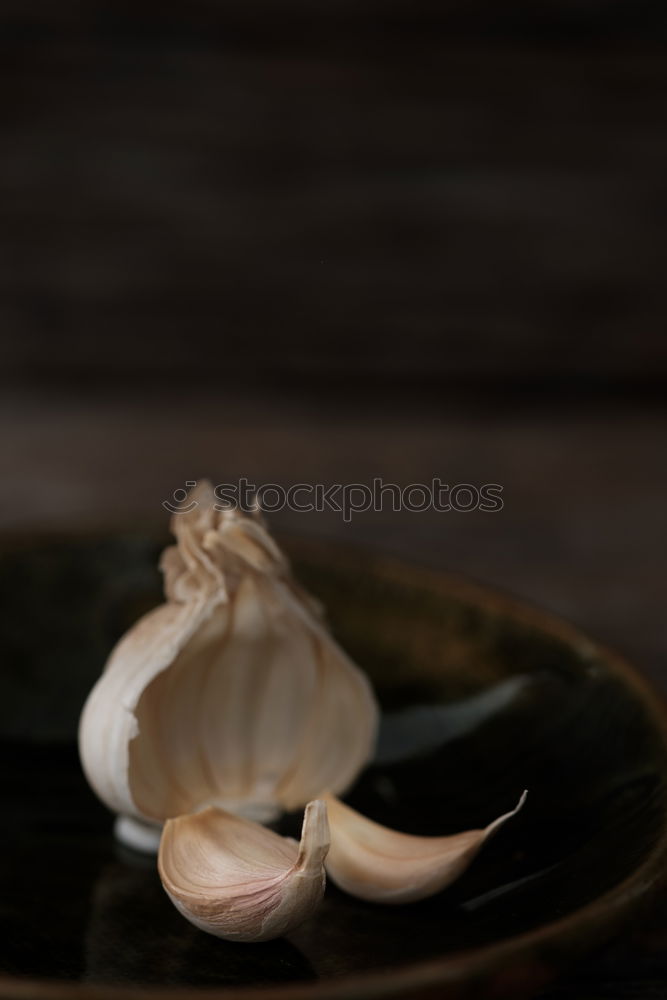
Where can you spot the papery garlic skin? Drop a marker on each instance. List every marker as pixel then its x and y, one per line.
pixel 232 693
pixel 381 865
pixel 239 881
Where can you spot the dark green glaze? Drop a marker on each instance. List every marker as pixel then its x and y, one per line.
pixel 481 698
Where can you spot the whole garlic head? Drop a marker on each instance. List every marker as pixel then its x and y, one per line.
pixel 233 693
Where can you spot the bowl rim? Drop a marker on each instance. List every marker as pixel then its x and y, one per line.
pixel 525 961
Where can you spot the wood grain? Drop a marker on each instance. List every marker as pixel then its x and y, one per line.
pixel 341 196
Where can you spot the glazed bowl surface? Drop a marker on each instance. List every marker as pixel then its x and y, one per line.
pixel 482 696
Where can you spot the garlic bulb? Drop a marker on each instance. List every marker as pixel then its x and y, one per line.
pixel 231 694
pixel 384 866
pixel 230 703
pixel 237 880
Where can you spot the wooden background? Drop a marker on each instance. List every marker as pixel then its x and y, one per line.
pixel 322 242
pixel 275 192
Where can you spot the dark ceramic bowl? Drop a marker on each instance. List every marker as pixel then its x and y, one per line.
pixel 482 697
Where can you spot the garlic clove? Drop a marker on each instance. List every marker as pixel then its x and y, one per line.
pixel 375 863
pixel 233 693
pixel 237 880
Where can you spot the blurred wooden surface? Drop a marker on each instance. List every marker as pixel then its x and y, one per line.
pixel 276 193
pixel 583 528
